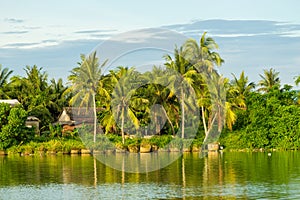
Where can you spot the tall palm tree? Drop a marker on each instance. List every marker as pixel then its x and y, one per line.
pixel 202 55
pixel 4 75
pixel 217 108
pixel 121 98
pixel 270 79
pixel 85 82
pixel 186 72
pixel 160 95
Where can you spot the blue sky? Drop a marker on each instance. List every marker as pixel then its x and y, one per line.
pixel 52 34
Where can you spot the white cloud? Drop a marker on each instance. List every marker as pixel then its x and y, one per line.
pixel 13 20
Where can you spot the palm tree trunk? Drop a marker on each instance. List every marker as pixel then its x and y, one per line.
pixel 203 120
pixel 95 116
pixel 122 125
pixel 170 122
pixel 182 113
pixel 157 127
pixel 210 127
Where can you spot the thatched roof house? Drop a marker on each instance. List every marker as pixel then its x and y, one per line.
pixel 72 117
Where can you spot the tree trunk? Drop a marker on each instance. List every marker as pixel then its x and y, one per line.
pixel 170 122
pixel 95 116
pixel 157 125
pixel 182 113
pixel 122 125
pixel 203 120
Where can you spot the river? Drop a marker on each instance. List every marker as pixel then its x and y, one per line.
pixel 228 175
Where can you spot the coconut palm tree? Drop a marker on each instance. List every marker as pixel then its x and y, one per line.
pixel 297 80
pixel 186 72
pixel 241 85
pixel 122 94
pixel 270 79
pixel 217 108
pixel 84 81
pixel 59 98
pixel 158 94
pixel 4 74
pixel 34 93
pixel 202 55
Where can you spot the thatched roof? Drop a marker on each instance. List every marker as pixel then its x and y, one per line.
pixel 76 115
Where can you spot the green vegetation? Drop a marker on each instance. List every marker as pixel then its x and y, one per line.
pixel 255 116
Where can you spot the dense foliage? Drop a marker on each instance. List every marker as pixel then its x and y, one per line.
pixel 262 115
pixel 12 126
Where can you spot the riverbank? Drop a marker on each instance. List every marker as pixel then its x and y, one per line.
pixel 105 144
pixel 113 144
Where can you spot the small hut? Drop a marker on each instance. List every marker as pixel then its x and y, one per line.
pixel 65 121
pixel 75 117
pixel 32 121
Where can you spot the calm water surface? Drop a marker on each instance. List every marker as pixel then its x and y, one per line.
pixel 217 176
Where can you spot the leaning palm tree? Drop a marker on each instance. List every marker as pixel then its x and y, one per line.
pixel 202 55
pixel 269 80
pixel 186 72
pixel 217 107
pixel 84 84
pixel 4 74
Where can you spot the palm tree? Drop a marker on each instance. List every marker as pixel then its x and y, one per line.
pixel 241 86
pixel 160 95
pixel 217 109
pixel 297 80
pixel 186 72
pixel 85 82
pixel 4 74
pixel 121 96
pixel 34 93
pixel 269 80
pixel 59 98
pixel 202 55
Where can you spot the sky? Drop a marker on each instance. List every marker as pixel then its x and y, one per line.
pixel 253 35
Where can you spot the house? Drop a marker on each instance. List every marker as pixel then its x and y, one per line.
pixel 65 121
pixel 74 117
pixel 11 102
pixel 32 121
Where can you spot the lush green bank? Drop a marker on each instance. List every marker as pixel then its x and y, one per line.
pixel 263 115
pixel 109 143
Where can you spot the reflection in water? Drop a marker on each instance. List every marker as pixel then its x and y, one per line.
pixel 95 172
pixel 217 176
pixel 138 162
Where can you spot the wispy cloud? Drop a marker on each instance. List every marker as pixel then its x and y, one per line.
pixel 237 28
pixel 13 20
pixel 31 45
pixel 93 31
pixel 14 32
pixel 21 44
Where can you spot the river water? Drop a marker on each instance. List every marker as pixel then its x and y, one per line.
pixel 228 175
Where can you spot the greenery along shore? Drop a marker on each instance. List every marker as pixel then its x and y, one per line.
pixel 255 115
